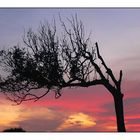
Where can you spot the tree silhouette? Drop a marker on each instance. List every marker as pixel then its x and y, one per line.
pixel 14 130
pixel 54 62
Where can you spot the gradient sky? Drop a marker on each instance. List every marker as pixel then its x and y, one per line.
pixel 117 32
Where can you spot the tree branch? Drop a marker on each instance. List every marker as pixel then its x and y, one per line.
pixel 85 84
pixel 108 70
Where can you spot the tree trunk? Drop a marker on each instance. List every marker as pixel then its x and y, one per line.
pixel 118 101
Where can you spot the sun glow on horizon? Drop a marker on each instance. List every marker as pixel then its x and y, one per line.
pixel 77 120
pixel 8 115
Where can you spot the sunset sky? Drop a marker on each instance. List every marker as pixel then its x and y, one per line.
pixel 117 32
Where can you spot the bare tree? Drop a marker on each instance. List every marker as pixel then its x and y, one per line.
pixel 52 62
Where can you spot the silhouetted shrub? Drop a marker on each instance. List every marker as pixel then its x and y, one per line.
pixel 14 130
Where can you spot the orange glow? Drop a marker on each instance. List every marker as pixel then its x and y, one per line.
pixel 111 128
pixel 8 115
pixel 37 112
pixel 80 120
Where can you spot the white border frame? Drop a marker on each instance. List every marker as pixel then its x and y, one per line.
pixel 69 3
